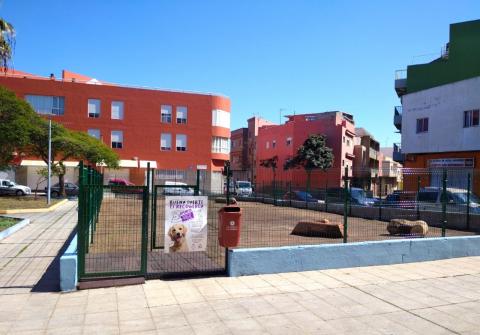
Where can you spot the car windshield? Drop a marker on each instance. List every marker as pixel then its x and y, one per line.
pixel 461 198
pixel 358 194
pixel 304 195
pixel 243 185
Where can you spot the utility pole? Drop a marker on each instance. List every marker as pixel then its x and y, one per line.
pixel 49 160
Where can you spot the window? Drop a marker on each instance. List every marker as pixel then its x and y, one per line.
pixel 343 162
pixel 267 145
pixel 289 141
pixel 181 114
pixel 94 133
pixel 220 118
pixel 220 145
pixel 117 110
pixel 94 108
pixel 422 125
pixel 274 144
pixel 343 139
pixel 348 143
pixel 46 104
pixel 117 139
pixel 166 142
pixel 181 143
pixel 471 118
pixel 166 112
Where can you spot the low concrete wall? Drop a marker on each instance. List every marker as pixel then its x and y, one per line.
pixel 9 231
pixel 68 267
pixel 332 256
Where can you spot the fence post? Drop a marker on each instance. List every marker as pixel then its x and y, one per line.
pixel 144 255
pixel 227 170
pixel 326 195
pixel 419 180
pixel 345 207
pixel 197 188
pixel 80 224
pixel 468 200
pixel 381 201
pixel 444 202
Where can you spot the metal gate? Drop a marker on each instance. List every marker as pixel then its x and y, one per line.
pixel 112 228
pixel 161 264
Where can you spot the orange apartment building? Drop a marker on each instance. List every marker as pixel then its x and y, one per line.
pixel 174 131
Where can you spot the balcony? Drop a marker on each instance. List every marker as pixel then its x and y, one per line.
pixel 372 153
pixel 401 82
pixel 398 156
pixel 397 118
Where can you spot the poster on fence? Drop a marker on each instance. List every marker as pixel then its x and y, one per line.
pixel 186 223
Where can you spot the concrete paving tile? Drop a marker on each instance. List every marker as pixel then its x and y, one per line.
pixel 199 313
pixel 72 330
pixel 213 328
pixel 99 329
pixel 185 330
pixel 62 321
pixel 102 318
pixel 445 320
pixel 134 313
pixel 245 326
pixel 136 325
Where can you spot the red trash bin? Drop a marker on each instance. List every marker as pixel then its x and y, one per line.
pixel 229 226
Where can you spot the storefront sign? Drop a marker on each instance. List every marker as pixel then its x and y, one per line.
pixel 451 162
pixel 186 223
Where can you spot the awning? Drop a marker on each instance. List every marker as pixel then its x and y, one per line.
pixel 153 164
pixel 128 163
pixel 28 162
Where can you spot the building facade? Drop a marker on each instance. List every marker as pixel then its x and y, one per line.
pixel 244 150
pixel 366 163
pixel 439 117
pixel 284 140
pixel 173 131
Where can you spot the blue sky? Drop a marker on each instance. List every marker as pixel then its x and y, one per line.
pixel 266 55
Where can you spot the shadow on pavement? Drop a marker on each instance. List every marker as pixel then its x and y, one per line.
pixel 50 281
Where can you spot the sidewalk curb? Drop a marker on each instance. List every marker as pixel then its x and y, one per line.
pixel 9 231
pixel 33 210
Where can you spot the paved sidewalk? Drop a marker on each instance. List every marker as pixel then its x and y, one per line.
pixel 26 255
pixel 441 297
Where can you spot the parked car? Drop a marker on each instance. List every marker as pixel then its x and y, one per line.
pixel 12 188
pixel 357 196
pixel 182 188
pixel 405 200
pixel 120 185
pixel 120 182
pixel 243 188
pixel 300 196
pixel 70 190
pixel 430 199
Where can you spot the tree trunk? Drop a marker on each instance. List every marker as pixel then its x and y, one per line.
pixel 61 180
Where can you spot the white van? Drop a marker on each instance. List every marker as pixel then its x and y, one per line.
pixel 243 188
pixel 171 190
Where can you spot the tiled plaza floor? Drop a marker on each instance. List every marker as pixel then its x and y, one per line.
pixel 441 297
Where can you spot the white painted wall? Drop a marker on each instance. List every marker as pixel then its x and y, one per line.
pixel 444 106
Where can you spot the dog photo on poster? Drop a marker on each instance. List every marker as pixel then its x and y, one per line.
pixel 186 223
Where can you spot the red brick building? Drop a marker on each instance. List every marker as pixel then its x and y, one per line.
pixel 283 141
pixel 174 131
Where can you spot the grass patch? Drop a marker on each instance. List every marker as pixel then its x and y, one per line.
pixel 25 202
pixel 7 222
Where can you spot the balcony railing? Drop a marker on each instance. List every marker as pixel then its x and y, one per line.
pixel 401 74
pixel 397 117
pixel 373 153
pixel 398 156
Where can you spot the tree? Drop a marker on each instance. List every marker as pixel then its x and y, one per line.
pixel 69 144
pixel 312 155
pixel 7 43
pixel 17 119
pixel 271 163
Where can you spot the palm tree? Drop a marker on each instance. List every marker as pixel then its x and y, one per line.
pixel 7 43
